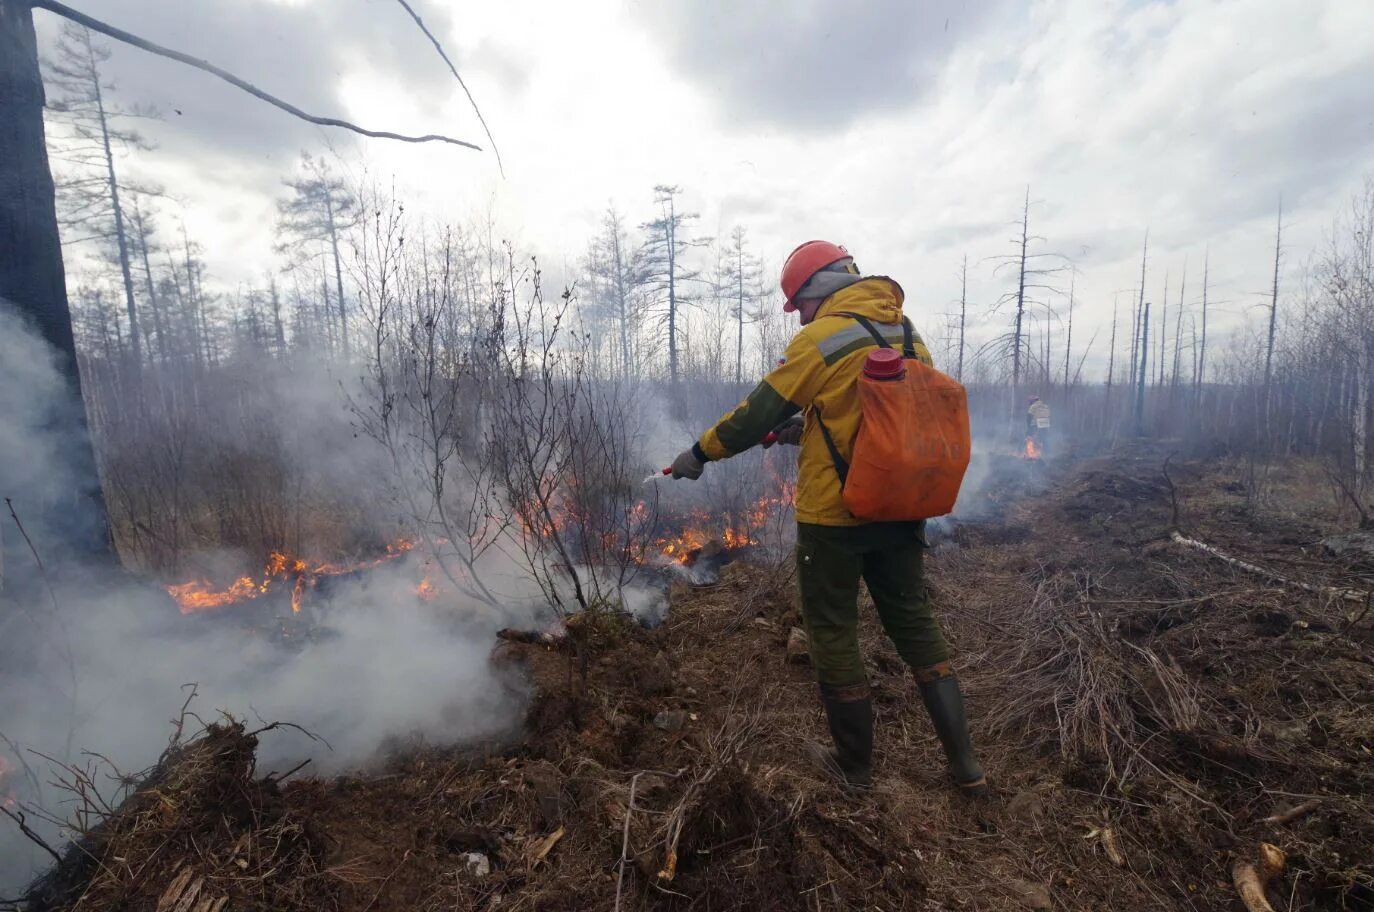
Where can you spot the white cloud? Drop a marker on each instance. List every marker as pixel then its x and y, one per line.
pixel 1188 117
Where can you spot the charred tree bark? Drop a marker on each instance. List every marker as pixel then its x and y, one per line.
pixel 963 316
pixel 1139 308
pixel 1178 334
pixel 1020 298
pixel 1111 348
pixel 32 279
pixel 1273 323
pixel 1068 341
pixel 1144 372
pixel 1157 377
pixel 1202 346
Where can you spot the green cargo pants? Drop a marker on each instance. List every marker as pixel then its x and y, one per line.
pixel 888 557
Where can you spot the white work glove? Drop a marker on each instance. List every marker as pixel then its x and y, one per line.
pixel 687 465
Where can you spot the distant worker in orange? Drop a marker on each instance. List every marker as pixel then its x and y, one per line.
pixel 812 399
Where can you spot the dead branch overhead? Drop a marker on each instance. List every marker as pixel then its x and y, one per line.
pixel 117 34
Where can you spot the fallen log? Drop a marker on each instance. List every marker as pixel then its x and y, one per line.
pixel 1252 878
pixel 1353 595
pixel 1293 813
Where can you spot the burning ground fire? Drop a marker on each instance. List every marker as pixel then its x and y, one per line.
pixel 743 533
pixel 676 538
pixel 282 571
pixel 1032 449
pixel 689 534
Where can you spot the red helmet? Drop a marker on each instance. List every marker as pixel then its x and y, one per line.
pixel 804 262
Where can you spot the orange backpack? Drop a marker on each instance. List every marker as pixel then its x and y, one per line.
pixel 913 444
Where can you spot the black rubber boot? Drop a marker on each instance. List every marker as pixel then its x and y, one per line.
pixel 849 710
pixel 945 703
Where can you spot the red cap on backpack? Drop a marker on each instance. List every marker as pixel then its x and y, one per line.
pixel 884 364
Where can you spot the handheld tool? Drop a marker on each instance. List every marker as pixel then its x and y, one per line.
pixel 768 439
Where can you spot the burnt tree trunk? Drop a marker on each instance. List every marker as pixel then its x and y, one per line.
pixel 1273 323
pixel 121 241
pixel 33 282
pixel 963 316
pixel 1020 299
pixel 1144 373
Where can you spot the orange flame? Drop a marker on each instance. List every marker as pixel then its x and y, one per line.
pixel 1032 450
pixel 743 532
pixel 281 571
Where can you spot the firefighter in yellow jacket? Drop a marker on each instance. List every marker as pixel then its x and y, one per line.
pixel 817 381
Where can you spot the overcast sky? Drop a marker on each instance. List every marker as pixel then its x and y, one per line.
pixel 907 131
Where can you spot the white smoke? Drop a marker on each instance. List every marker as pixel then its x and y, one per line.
pixel 101 664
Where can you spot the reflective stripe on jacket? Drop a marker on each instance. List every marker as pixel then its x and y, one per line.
pixel 818 374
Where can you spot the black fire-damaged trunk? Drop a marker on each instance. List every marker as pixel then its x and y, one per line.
pixel 32 283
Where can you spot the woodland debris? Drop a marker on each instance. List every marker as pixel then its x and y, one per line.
pixel 477 864
pixel 538 637
pixel 1110 847
pixel 1296 812
pixel 1252 877
pixel 172 895
pixel 1353 595
pixel 1106 837
pixel 546 845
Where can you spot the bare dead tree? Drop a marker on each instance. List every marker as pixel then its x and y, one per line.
pixel 1068 341
pixel 1144 373
pixel 1178 330
pixel 963 315
pixel 1157 375
pixel 661 257
pixel 744 271
pixel 1273 323
pixel 1200 375
pixel 89 193
pixel 1033 277
pixel 1139 308
pixel 319 210
pixel 1111 348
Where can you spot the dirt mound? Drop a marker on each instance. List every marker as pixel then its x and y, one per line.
pixel 201 834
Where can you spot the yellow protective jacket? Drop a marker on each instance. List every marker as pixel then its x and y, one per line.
pixel 818 374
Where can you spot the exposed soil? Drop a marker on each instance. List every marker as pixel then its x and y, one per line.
pixel 1141 707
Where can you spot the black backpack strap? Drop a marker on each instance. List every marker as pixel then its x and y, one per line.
pixel 841 467
pixel 866 324
pixel 908 339
pixel 908 333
